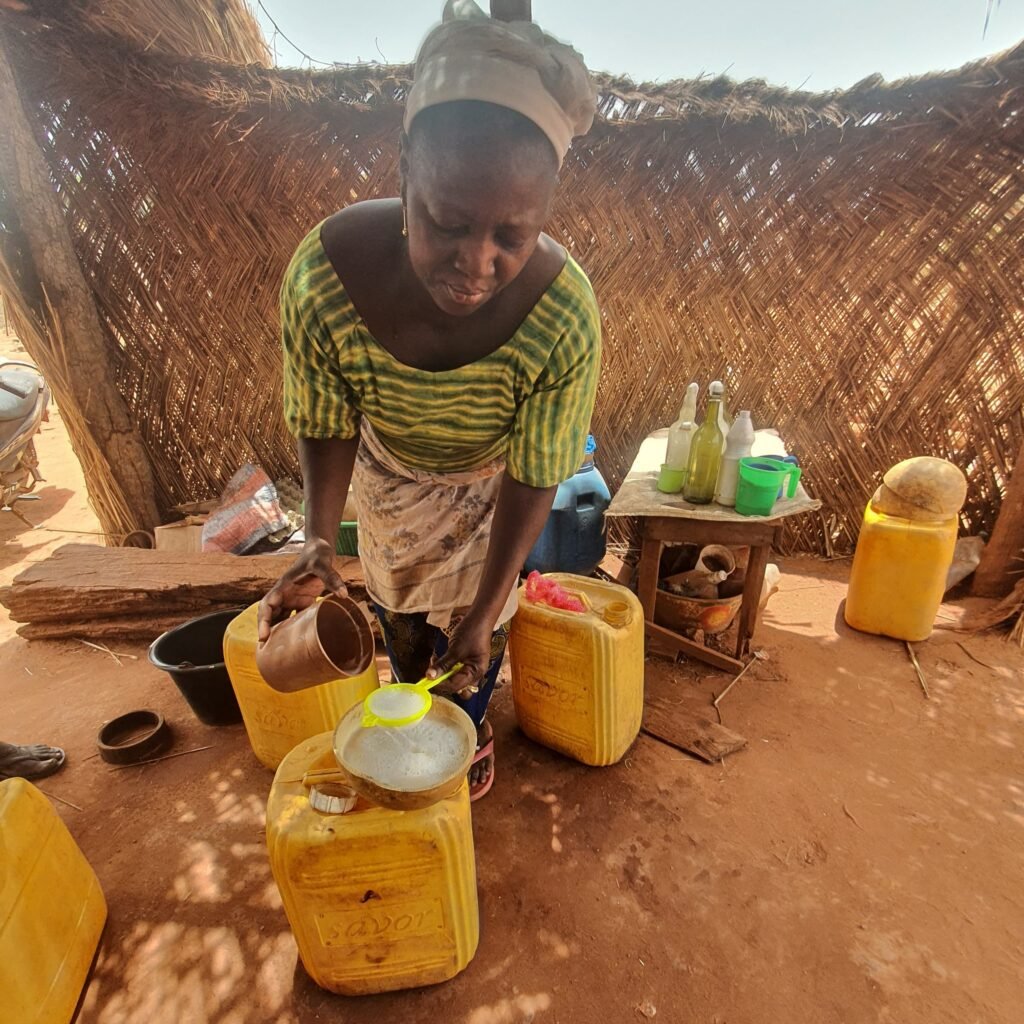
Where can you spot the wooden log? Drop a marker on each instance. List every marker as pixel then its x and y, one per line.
pixel 130 627
pixel 87 355
pixel 1001 561
pixel 80 582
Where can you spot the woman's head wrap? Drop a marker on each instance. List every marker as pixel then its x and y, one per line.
pixel 471 56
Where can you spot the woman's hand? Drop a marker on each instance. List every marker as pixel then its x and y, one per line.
pixel 309 576
pixel 470 643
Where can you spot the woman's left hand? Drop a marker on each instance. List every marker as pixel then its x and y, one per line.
pixel 470 644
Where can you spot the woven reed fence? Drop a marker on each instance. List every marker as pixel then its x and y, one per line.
pixel 851 264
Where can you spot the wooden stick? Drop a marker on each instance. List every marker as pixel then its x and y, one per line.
pixel 917 668
pixel 512 10
pixel 166 757
pixel 974 657
pixel 53 796
pixel 106 650
pixel 757 655
pixel 849 814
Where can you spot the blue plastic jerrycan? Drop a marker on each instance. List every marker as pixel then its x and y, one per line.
pixel 573 539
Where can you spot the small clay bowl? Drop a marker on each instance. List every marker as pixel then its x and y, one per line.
pixel 134 737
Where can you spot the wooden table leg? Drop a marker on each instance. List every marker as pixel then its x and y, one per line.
pixel 756 567
pixel 647 585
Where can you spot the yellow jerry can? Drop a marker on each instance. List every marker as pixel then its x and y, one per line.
pixel 578 677
pixel 52 910
pixel 899 574
pixel 377 899
pixel 276 721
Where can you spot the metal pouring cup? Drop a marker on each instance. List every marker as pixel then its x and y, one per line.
pixel 328 640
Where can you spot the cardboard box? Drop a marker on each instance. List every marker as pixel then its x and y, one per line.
pixel 184 536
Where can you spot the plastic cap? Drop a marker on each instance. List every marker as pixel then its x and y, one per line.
pixel 591 445
pixel 716 389
pixel 332 798
pixel 616 614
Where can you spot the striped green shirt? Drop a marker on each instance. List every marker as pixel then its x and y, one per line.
pixel 529 400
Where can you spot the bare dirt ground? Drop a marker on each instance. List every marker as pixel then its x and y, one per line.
pixel 860 861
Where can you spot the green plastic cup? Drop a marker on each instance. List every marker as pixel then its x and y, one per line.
pixel 670 481
pixel 759 484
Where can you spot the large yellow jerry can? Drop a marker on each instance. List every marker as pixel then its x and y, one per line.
pixel 276 721
pixel 578 677
pixel 899 575
pixel 378 900
pixel 52 910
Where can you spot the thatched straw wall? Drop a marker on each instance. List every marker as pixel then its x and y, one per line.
pixel 850 263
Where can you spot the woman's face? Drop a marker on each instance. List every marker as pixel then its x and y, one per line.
pixel 474 219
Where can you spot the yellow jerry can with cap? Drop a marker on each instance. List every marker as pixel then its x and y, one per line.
pixel 905 548
pixel 52 910
pixel 578 677
pixel 274 721
pixel 898 577
pixel 377 899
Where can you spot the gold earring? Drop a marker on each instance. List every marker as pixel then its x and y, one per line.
pixel 405 223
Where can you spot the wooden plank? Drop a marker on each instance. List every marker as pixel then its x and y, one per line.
pixel 673 644
pixel 703 531
pixel 1001 564
pixel 79 582
pixel 674 714
pixel 698 736
pixel 616 569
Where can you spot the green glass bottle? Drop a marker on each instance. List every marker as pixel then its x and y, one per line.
pixel 706 452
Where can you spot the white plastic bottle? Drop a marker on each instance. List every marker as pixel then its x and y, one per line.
pixel 737 446
pixel 677 454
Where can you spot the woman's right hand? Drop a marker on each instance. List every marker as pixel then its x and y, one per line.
pixel 309 576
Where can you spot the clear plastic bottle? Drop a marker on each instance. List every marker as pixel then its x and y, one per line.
pixel 724 423
pixel 680 437
pixel 680 434
pixel 737 446
pixel 706 452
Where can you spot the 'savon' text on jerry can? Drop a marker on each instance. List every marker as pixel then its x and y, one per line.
pixel 899 575
pixel 378 900
pixel 578 677
pixel 52 910
pixel 276 721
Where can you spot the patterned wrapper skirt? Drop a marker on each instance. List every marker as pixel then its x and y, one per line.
pixel 423 536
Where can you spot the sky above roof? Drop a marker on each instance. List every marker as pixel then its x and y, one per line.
pixel 817 44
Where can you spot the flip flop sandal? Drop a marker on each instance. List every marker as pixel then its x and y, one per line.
pixel 53 766
pixel 483 788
